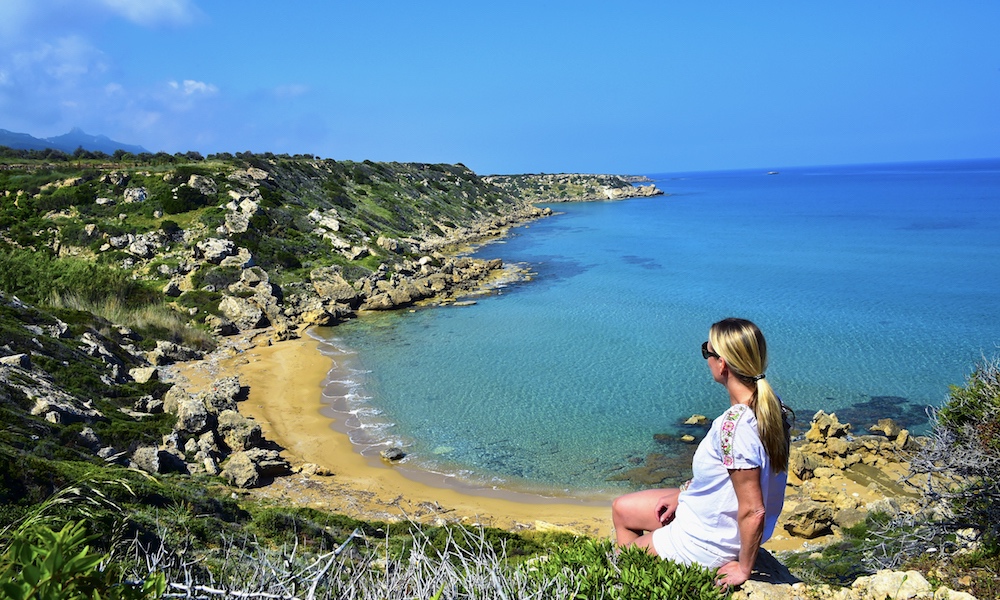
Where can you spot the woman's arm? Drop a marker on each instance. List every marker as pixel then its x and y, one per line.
pixel 750 519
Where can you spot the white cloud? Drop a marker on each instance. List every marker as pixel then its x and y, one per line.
pixel 154 12
pixel 189 87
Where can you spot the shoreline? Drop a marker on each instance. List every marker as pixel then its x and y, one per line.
pixel 286 381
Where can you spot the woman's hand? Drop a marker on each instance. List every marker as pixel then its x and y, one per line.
pixel 731 574
pixel 665 507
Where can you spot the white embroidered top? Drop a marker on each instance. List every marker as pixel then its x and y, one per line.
pixel 706 514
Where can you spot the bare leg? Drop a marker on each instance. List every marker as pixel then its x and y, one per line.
pixel 636 513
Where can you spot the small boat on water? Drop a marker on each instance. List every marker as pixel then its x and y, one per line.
pixel 772 172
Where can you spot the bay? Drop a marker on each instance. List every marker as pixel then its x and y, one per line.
pixel 876 286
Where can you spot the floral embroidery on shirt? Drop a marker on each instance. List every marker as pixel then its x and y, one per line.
pixel 728 432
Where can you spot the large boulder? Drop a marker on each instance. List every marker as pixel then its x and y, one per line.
pixel 238 432
pixel 144 245
pixel 223 395
pixel 192 416
pixel 252 467
pixel 243 313
pixel 330 285
pixel 167 353
pixel 135 194
pixel 203 184
pixel 237 222
pixel 214 250
pixel 144 374
pixel 240 471
pixel 154 460
pixel 825 426
pixel 809 519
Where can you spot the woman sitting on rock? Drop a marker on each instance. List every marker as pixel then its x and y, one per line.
pixel 721 516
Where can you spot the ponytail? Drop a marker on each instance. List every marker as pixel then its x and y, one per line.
pixel 742 346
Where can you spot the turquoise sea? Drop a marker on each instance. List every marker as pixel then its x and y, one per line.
pixel 877 287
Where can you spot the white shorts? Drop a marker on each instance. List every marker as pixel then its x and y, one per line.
pixel 670 544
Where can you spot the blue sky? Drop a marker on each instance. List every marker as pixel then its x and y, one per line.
pixel 513 87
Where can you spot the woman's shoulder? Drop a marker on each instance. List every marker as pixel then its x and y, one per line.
pixel 738 417
pixel 736 413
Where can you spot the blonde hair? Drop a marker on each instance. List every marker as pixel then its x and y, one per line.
pixel 741 344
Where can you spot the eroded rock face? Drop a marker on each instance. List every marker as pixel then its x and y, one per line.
pixel 809 519
pixel 238 432
pixel 214 250
pixel 252 467
pixel 331 286
pixel 167 353
pixel 243 313
pixel 205 185
pixel 192 416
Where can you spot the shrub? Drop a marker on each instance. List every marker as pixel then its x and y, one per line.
pixel 44 564
pixel 958 471
pixel 596 571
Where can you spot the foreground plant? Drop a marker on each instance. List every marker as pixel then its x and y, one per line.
pixel 39 559
pixel 44 564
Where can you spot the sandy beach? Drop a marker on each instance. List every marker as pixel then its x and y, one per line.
pixel 285 381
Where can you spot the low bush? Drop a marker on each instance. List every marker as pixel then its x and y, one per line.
pixel 957 471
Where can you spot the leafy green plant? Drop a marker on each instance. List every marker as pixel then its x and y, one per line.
pixel 44 564
pixel 596 570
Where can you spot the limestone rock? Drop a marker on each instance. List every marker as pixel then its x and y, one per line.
pixel 214 250
pixel 221 325
pixel 89 439
pixel 313 470
pixel 153 460
pixel 144 374
pixel 894 585
pixel 826 425
pixel 145 245
pixel 237 222
pixel 192 416
pixel 172 399
pixel 330 284
pixel 240 471
pixel 327 221
pixel 203 184
pixel 238 432
pixel 243 313
pixel 888 427
pixel 223 395
pixel 167 353
pixel 849 517
pixel 392 454
pixel 17 360
pixel 135 194
pixel 809 519
pixel 59 407
pixel 172 289
pixel 241 259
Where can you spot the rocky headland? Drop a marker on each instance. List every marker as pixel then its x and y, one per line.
pixel 570 187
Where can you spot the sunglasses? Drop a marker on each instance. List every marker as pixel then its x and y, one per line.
pixel 705 352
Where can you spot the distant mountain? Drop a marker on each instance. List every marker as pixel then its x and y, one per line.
pixel 22 141
pixel 67 142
